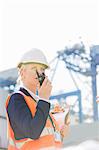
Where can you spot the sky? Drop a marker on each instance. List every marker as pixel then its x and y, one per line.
pixel 45 24
pixel 49 25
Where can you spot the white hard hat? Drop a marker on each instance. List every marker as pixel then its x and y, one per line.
pixel 34 56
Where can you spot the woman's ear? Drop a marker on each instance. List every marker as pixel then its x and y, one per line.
pixel 22 72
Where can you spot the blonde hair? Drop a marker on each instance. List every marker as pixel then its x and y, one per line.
pixel 19 79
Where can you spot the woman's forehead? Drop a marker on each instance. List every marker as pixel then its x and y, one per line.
pixel 37 66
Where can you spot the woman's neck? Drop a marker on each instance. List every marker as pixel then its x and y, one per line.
pixel 31 88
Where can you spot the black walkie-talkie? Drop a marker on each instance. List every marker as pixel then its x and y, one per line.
pixel 41 77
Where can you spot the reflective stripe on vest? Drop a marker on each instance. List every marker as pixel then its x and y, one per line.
pixel 49 148
pixel 18 144
pixel 47 138
pixel 47 131
pixel 11 142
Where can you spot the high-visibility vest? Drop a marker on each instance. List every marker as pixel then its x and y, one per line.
pixel 47 139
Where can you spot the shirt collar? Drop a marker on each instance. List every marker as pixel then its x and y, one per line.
pixel 31 93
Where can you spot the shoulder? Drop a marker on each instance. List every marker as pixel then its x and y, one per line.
pixel 16 98
pixel 16 95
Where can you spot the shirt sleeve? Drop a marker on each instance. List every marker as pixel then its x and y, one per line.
pixel 47 100
pixel 22 122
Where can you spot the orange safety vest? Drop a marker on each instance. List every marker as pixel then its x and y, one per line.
pixel 47 139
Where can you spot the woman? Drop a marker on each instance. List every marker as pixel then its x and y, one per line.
pixel 31 126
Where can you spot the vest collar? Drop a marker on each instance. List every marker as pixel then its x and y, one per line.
pixel 28 93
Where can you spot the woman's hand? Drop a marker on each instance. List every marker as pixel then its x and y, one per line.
pixel 64 130
pixel 45 90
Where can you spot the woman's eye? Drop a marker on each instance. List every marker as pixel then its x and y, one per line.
pixel 33 68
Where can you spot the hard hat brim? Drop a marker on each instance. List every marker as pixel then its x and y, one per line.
pixel 45 65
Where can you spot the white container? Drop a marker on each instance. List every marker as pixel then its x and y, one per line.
pixel 3 96
pixel 3 121
pixel 3 133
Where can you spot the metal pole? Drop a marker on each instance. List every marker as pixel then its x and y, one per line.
pixel 94 91
pixel 80 107
pixel 52 77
